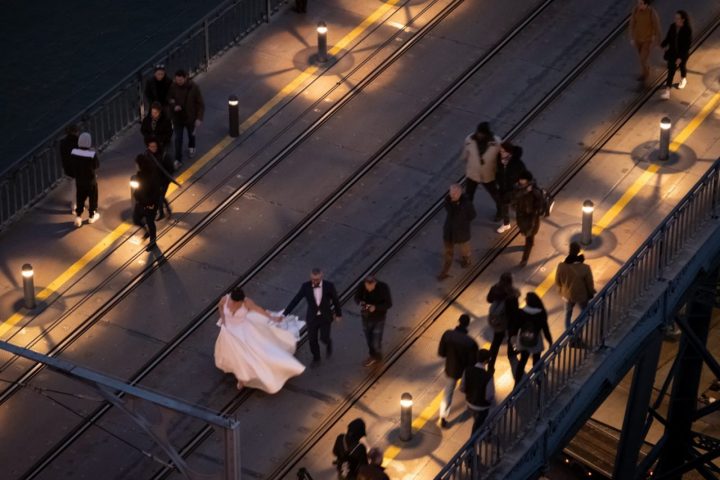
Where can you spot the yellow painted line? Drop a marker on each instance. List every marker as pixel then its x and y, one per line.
pixel 431 410
pixel 119 231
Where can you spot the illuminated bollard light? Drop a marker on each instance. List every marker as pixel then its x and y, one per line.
pixel 322 42
pixel 406 403
pixel 134 185
pixel 233 116
pixel 587 222
pixel 28 286
pixel 665 125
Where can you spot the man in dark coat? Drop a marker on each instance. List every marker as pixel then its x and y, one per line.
pixel 456 231
pixel 507 173
pixel 528 204
pixel 158 126
pixel 147 197
pixel 165 168
pixel 323 306
pixel 374 300
pixel 479 389
pixel 188 108
pixel 460 352
pixel 157 87
pixel 84 162
pixel 67 144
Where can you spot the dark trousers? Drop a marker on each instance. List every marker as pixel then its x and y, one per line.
pixel 529 242
pixel 503 206
pixel 479 417
pixel 497 340
pixel 86 191
pixel 373 335
pixel 179 129
pixel 145 217
pixel 520 370
pixel 162 201
pixel 569 306
pixel 672 68
pixel 490 187
pixel 301 6
pixel 323 329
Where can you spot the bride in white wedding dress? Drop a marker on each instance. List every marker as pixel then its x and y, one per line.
pixel 258 353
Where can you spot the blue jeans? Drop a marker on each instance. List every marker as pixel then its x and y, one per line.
pixel 448 392
pixel 569 306
pixel 373 335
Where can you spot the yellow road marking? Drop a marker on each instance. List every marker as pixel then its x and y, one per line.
pixel 431 410
pixel 120 230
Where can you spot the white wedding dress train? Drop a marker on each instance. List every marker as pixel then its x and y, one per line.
pixel 258 353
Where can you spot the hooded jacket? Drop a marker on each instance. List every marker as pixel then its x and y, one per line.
pixel 84 162
pixel 480 167
pixel 535 319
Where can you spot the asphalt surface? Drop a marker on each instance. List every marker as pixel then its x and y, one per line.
pixel 58 57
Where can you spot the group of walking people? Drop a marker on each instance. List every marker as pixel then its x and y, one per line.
pixel 646 33
pixel 496 165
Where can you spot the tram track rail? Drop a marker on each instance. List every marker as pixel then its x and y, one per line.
pixel 227 202
pixel 293 460
pixel 209 312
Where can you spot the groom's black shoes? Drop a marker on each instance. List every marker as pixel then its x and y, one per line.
pixel 328 350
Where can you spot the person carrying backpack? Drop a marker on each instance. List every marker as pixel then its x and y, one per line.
pixel 503 300
pixel 479 389
pixel 532 324
pixel 529 205
pixel 349 453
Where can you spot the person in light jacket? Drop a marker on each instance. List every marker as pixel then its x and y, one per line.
pixel 644 30
pixel 480 156
pixel 574 280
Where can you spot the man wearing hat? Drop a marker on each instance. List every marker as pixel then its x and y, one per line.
pixel 157 87
pixel 84 161
pixel 374 299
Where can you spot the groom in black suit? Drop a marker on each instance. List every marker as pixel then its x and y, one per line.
pixel 322 306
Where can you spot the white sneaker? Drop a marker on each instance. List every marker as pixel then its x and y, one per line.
pixel 503 228
pixel 177 164
pixel 683 83
pixel 191 152
pixel 665 94
pixel 78 221
pixel 94 218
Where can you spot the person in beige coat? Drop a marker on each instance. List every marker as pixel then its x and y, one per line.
pixel 644 29
pixel 480 155
pixel 575 282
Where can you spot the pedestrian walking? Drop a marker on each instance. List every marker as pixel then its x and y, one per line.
pixel 460 352
pixel 350 453
pixel 532 325
pixel 188 109
pixel 479 389
pixel 480 156
pixel 157 125
pixel 158 87
pixel 374 469
pixel 508 170
pixel 503 300
pixel 677 50
pixel 529 207
pixel 323 306
pixel 374 299
pixel 574 280
pixel 84 162
pixel 301 6
pixel 644 28
pixel 147 197
pixel 456 230
pixel 67 144
pixel 165 168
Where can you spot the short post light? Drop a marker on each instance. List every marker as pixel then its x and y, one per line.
pixel 29 286
pixel 322 42
pixel 134 185
pixel 233 116
pixel 587 222
pixel 406 404
pixel 665 126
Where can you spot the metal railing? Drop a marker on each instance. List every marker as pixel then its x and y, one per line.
pixel 36 172
pixel 527 403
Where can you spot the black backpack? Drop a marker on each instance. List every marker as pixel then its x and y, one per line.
pixel 496 316
pixel 528 335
